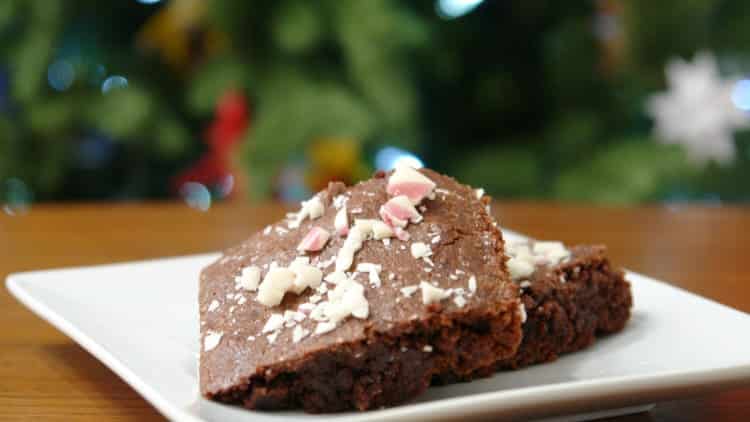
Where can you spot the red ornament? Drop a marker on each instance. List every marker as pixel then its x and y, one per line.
pixel 231 120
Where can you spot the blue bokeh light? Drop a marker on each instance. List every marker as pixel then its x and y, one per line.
pixel 741 94
pixel 451 9
pixel 148 1
pixel 390 157
pixel 196 196
pixel 60 75
pixel 114 82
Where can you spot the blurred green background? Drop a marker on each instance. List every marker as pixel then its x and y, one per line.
pixel 609 101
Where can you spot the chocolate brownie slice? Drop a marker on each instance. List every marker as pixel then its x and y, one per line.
pixel 570 296
pixel 359 299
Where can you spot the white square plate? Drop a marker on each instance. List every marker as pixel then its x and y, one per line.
pixel 141 320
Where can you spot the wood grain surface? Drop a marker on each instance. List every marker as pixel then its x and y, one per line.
pixel 46 376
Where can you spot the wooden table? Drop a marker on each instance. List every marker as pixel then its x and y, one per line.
pixel 44 375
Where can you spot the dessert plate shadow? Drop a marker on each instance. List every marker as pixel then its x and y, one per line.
pixel 141 320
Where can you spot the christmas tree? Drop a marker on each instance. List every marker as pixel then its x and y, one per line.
pixel 606 101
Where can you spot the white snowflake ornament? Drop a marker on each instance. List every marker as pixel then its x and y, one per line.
pixel 697 111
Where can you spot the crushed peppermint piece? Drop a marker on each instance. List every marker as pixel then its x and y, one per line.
pixel 267 231
pixel 420 250
pixel 352 244
pixel 241 300
pixel 479 192
pixel 373 271
pixel 213 305
pixel 435 239
pixel 341 222
pixel 411 183
pixel 431 294
pixel 427 348
pixel 273 287
pixel 346 299
pixel 399 211
pixel 305 276
pixel 453 277
pixel 562 278
pixel 324 327
pixel 340 201
pixel 409 290
pixel 472 284
pixel 272 337
pixel 357 211
pixel 249 278
pixel 251 338
pixel 460 301
pixel 335 277
pixel 274 322
pixel 299 333
pixel 381 230
pixel 211 340
pixel 315 298
pixel 402 235
pixel 312 208
pixel 314 240
pixel 525 284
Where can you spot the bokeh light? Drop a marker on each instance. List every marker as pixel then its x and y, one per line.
pixel 390 157
pixel 16 197
pixel 225 187
pixel 114 82
pixel 741 94
pixel 196 196
pixel 148 1
pixel 451 9
pixel 61 75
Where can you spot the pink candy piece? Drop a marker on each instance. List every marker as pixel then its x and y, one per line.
pixel 401 234
pixel 408 181
pixel 314 240
pixel 398 211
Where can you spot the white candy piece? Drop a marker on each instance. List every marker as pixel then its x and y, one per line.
pixel 275 321
pixel 324 327
pixel 401 234
pixel 479 192
pixel 305 276
pixel 520 268
pixel 380 230
pixel 554 252
pixel 472 284
pixel 341 222
pixel 314 240
pixel 373 271
pixel 348 298
pixel 299 333
pixel 522 312
pixel 249 278
pixel 213 305
pixel 312 208
pixel 410 183
pixel 420 250
pixel 211 340
pixel 409 290
pixel 275 284
pixel 352 244
pixel 431 294
pixel 399 211
pixel 335 277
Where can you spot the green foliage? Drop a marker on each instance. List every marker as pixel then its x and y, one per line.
pixel 630 170
pixel 513 97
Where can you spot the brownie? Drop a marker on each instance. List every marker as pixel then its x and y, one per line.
pixel 408 293
pixel 570 297
pixel 569 303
